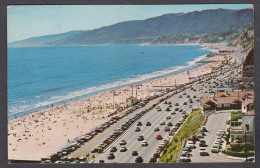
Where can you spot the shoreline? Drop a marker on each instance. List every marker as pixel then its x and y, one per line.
pixel 48 130
pixel 152 76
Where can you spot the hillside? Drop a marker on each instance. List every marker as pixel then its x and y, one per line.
pixel 139 31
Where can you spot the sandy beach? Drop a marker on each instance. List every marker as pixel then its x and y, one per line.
pixel 40 134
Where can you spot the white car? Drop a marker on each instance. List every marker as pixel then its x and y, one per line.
pixel 190 144
pixel 144 143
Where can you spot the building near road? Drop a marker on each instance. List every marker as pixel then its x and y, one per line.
pixel 131 101
pixel 243 130
pixel 226 100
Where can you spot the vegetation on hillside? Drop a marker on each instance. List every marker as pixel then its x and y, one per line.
pixel 190 127
pixel 235 115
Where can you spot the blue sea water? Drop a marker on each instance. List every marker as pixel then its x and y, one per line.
pixel 41 76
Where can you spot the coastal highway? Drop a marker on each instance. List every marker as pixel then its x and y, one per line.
pixel 215 122
pixel 155 118
pixel 148 132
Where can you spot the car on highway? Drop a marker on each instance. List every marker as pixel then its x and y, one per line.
pixel 144 143
pixel 203 152
pixel 169 105
pixel 139 159
pixel 188 96
pixel 166 129
pixel 139 123
pixel 190 106
pixel 113 149
pixel 137 129
pixel 176 104
pixel 180 96
pixel 134 153
pixel 123 149
pixel 101 161
pixel 156 129
pixel 148 123
pixel 180 110
pixel 168 117
pixel 162 123
pixel 190 101
pixel 159 108
pixel 122 142
pixel 140 138
pixel 215 148
pixel 177 109
pixel 169 124
pixel 184 93
pixel 165 102
pixel 203 128
pixel 168 109
pixel 184 103
pixel 111 156
pixel 159 137
pixel 172 113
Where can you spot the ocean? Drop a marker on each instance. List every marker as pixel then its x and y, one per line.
pixel 41 76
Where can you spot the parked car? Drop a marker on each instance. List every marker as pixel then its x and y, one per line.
pixel 168 117
pixel 202 143
pixel 139 123
pixel 168 109
pixel 203 152
pixel 169 124
pixel 166 129
pixel 215 148
pixel 190 144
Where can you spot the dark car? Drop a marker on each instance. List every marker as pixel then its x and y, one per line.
pixel 101 161
pixel 139 123
pixel 190 101
pixel 152 160
pixel 137 129
pixel 169 102
pixel 166 129
pixel 177 109
pixel 168 109
pixel 169 124
pixel 184 103
pixel 173 113
pixel 156 155
pixel 113 149
pixel 148 123
pixel 134 153
pixel 194 96
pixel 202 143
pixel 180 110
pixel 188 149
pixel 165 102
pixel 156 129
pixel 180 96
pixel 169 105
pixel 176 104
pixel 140 138
pixel 139 159
pixel 110 156
pixel 188 96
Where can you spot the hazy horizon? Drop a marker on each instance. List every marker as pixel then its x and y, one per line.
pixel 26 21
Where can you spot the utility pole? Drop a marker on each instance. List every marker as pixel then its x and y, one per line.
pixel 245 144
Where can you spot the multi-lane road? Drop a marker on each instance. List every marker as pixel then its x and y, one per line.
pixel 214 123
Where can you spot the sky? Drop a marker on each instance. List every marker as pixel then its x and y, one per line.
pixel 25 21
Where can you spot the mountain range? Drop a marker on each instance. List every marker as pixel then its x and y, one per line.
pixel 196 22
